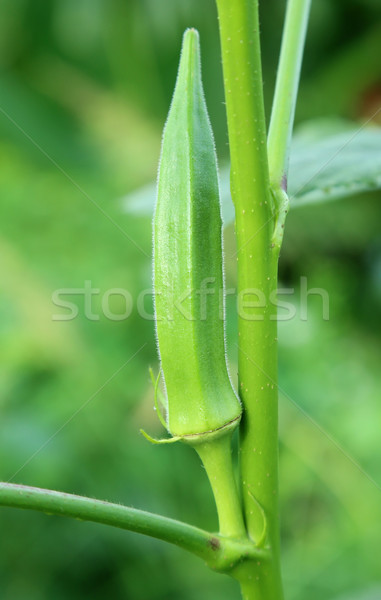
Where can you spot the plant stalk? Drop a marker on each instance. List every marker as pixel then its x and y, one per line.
pixel 257 283
pixel 217 459
pixel 286 90
pixel 221 554
pixel 87 509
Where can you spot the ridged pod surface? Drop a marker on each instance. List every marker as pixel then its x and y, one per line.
pixel 188 270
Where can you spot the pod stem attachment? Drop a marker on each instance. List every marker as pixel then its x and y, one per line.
pixel 217 460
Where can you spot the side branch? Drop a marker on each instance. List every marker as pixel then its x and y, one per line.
pixel 195 540
pixel 286 90
pixel 220 553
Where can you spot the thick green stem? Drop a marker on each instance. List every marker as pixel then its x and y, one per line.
pixel 254 586
pixel 239 31
pixel 257 283
pixel 286 90
pixel 217 459
pixel 259 431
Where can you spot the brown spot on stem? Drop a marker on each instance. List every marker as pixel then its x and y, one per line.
pixel 214 543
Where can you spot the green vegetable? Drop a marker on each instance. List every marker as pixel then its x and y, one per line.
pixel 188 265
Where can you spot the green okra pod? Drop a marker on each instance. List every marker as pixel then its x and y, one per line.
pixel 188 268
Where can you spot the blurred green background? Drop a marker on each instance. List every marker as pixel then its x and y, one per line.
pixel 84 90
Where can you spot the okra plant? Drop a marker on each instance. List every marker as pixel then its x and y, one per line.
pixel 201 407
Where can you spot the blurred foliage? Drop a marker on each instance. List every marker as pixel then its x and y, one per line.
pixel 329 159
pixel 85 86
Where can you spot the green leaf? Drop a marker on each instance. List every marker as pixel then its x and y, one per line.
pixel 330 159
pixel 335 162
